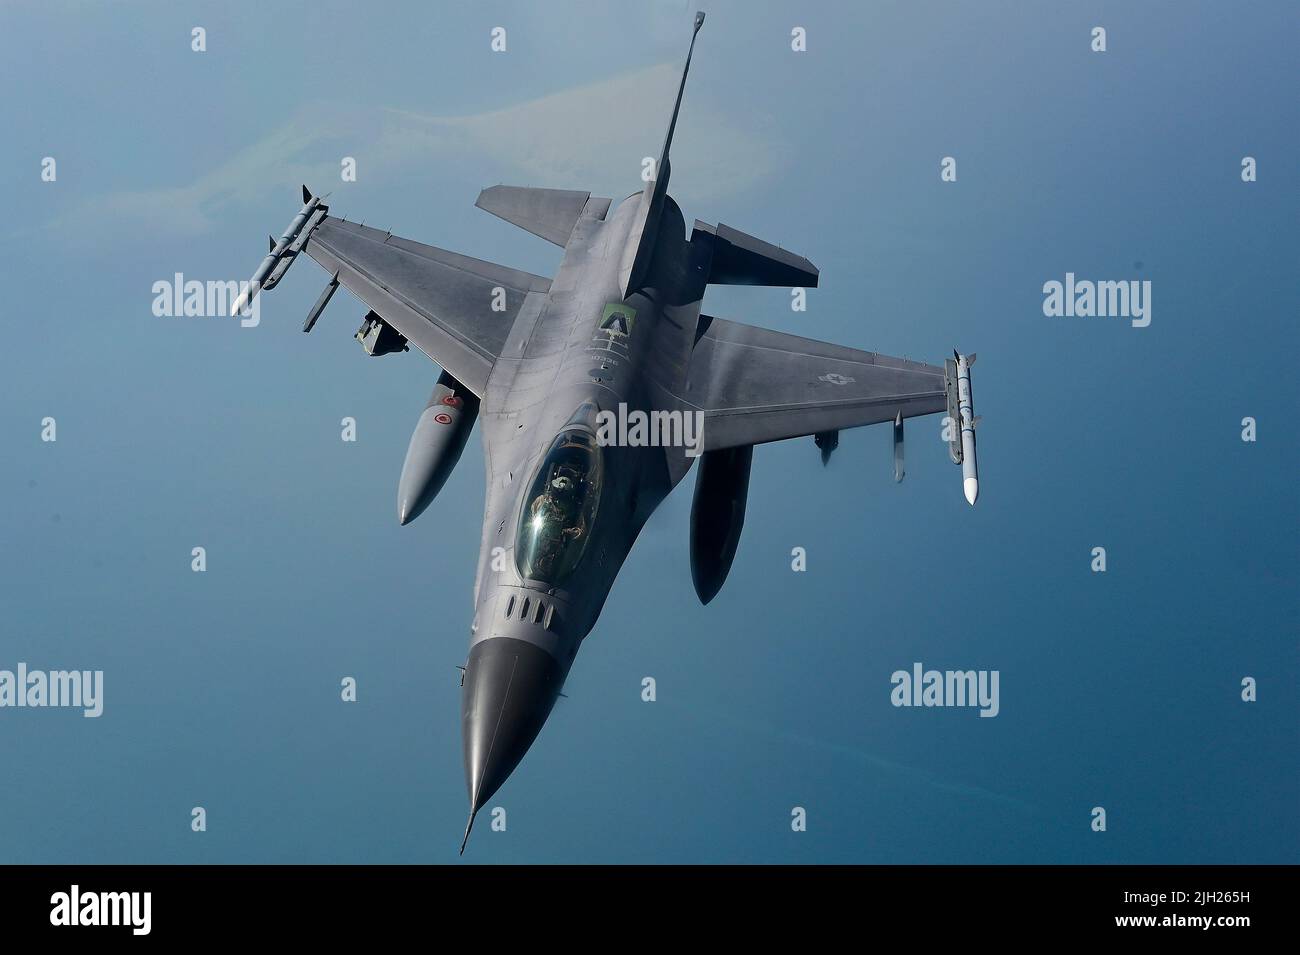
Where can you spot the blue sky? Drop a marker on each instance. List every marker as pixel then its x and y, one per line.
pixel 1119 690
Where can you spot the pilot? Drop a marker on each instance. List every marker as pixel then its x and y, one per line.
pixel 558 506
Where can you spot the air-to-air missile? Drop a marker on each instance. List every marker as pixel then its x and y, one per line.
pixel 436 446
pixel 961 447
pixel 283 251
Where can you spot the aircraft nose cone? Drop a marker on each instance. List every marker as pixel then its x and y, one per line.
pixel 510 687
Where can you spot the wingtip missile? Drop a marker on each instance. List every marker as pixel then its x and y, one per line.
pixel 970 474
pixel 284 250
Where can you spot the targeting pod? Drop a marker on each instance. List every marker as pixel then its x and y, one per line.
pixel 283 251
pixel 961 445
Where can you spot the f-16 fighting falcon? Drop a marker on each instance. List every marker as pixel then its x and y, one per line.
pixel 544 362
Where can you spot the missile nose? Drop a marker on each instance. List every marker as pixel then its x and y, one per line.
pixel 510 688
pixel 972 488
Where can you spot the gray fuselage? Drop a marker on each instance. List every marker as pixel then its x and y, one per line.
pixel 542 580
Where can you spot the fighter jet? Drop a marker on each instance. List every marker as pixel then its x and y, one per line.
pixel 543 363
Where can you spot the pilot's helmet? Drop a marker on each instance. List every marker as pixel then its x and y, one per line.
pixel 562 483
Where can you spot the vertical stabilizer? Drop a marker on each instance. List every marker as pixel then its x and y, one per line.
pixel 641 240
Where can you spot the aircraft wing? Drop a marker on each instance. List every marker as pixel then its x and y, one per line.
pixel 456 309
pixel 756 385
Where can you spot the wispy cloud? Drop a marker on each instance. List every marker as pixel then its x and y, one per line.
pixel 588 137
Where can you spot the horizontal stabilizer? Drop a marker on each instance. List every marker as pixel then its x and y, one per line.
pixel 549 213
pixel 740 259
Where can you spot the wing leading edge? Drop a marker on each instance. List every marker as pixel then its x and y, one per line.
pixel 755 385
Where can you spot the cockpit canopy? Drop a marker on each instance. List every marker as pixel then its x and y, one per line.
pixel 559 508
